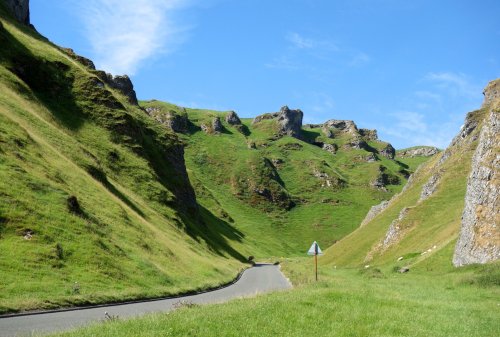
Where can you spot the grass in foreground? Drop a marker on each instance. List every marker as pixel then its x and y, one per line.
pixel 348 302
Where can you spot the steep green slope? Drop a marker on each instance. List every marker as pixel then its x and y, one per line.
pixel 283 191
pixel 419 227
pixel 95 201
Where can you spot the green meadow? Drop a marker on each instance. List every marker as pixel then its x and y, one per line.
pixel 344 302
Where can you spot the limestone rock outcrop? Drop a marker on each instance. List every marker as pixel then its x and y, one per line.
pixel 332 148
pixel 479 239
pixel 342 125
pixel 469 126
pixel 491 93
pixel 430 186
pixel 395 230
pixel 217 125
pixel 357 143
pixel 289 121
pixel 20 9
pixel 388 151
pixel 385 178
pixel 123 84
pixel 83 60
pixel 423 151
pixel 177 122
pixel 368 134
pixel 374 211
pixel 232 118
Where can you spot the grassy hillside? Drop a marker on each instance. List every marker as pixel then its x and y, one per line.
pixel 429 227
pixel 95 202
pixel 103 200
pixel 312 194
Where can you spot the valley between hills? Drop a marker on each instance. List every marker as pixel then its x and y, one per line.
pixel 108 198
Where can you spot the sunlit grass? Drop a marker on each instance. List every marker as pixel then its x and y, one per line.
pixel 345 302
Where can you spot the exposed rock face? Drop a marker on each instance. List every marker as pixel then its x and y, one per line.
pixel 424 151
pixel 327 132
pixel 411 181
pixel 388 151
pixel 342 125
pixel 395 229
pixel 332 126
pixel 464 137
pixel 173 121
pixel 384 178
pixel 374 211
pixel 430 186
pixel 184 192
pixel 368 134
pixel 121 83
pixel 469 126
pixel 332 148
pixel 357 143
pixel 370 158
pixel 217 125
pixel 232 118
pixel 124 85
pixel 83 60
pixel 491 92
pixel 327 181
pixel 20 9
pixel 479 240
pixel 289 121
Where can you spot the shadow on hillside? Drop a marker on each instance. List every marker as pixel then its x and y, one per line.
pixel 400 163
pixel 243 129
pixel 50 81
pixel 309 136
pixel 226 131
pixel 192 128
pixel 369 148
pixel 215 232
pixel 101 177
pixel 110 187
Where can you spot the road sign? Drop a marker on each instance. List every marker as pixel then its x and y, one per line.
pixel 315 250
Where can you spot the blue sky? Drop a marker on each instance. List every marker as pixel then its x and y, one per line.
pixel 410 69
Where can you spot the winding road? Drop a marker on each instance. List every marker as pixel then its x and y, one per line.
pixel 259 279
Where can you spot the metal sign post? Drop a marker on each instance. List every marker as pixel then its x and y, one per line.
pixel 315 250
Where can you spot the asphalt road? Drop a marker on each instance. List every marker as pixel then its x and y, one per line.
pixel 259 279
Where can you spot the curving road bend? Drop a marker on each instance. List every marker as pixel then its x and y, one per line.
pixel 259 279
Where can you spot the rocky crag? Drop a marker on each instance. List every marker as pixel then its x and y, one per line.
pixel 479 240
pixel 20 9
pixel 420 151
pixel 289 122
pixel 459 186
